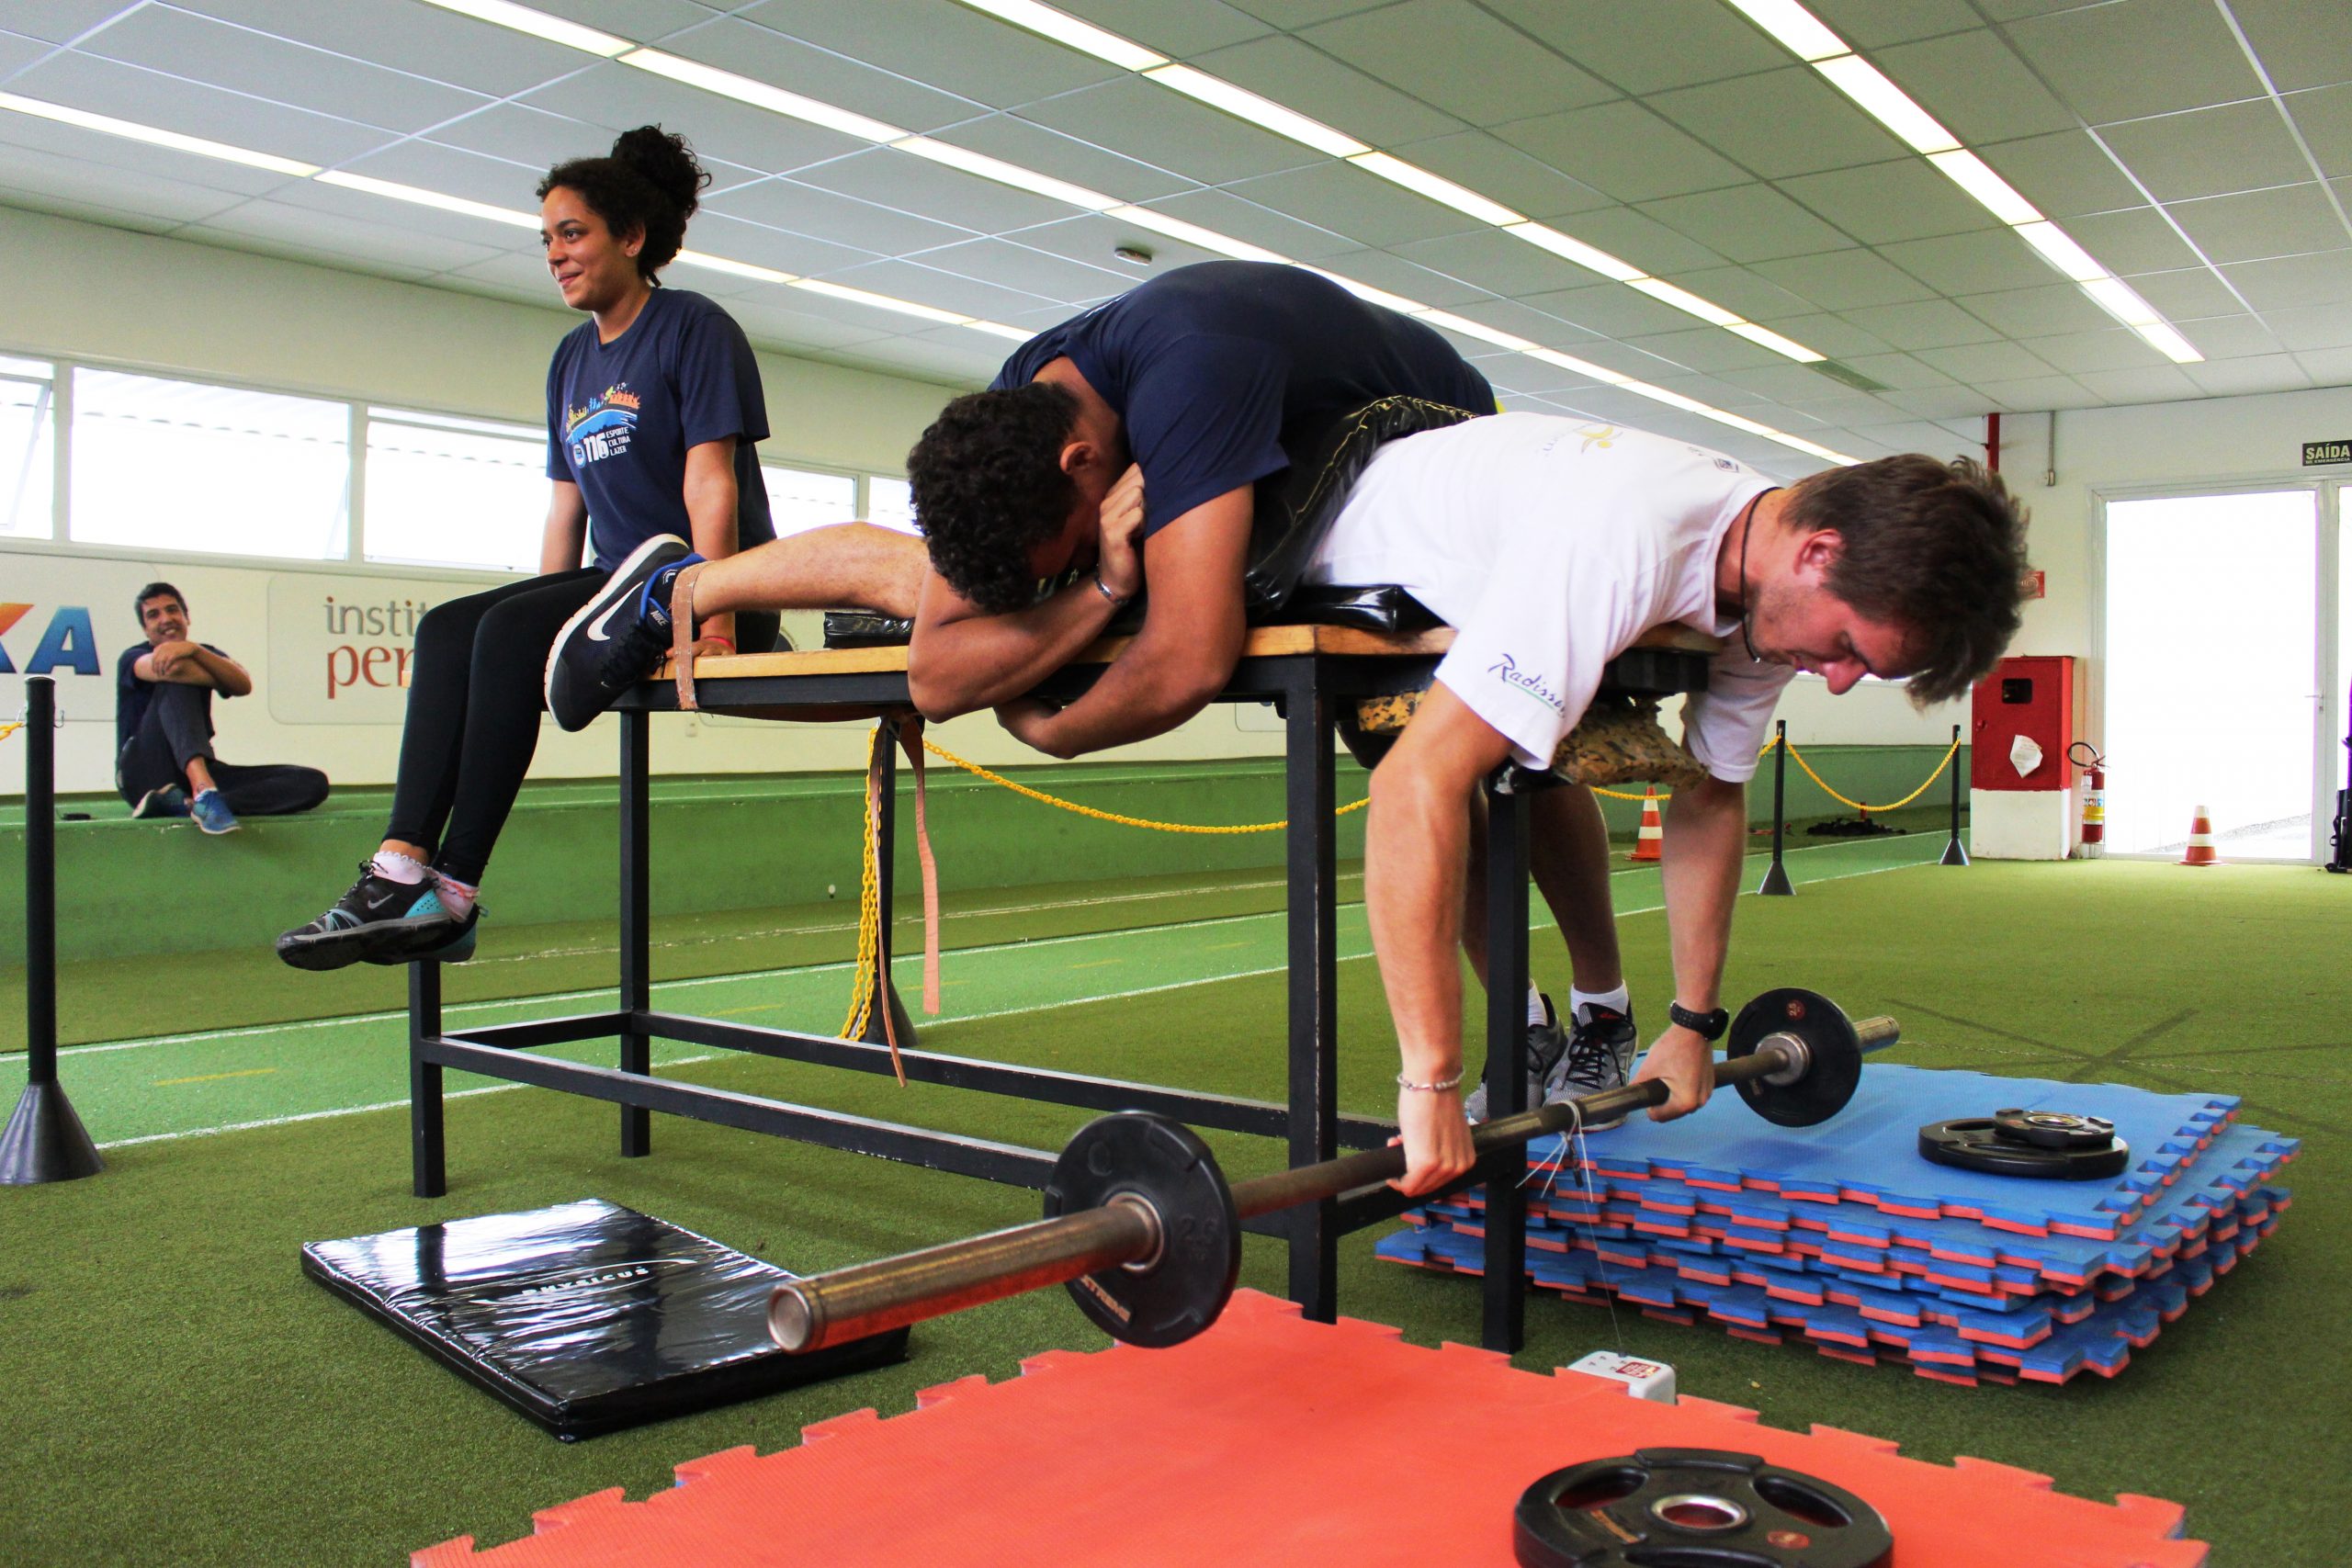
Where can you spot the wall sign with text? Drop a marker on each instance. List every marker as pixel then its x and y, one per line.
pixel 342 649
pixel 2317 454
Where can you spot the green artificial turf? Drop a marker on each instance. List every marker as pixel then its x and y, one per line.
pixel 177 1393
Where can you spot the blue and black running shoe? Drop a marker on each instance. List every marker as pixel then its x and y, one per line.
pixel 376 918
pixel 452 944
pixel 619 637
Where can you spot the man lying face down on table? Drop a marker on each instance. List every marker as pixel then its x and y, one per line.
pixel 1552 545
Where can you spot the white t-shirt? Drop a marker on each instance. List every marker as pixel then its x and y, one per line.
pixel 1550 545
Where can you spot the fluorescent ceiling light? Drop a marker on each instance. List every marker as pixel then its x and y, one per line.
pixel 1973 175
pixel 155 135
pixel 1478 329
pixel 2117 298
pixel 423 198
pixel 2170 344
pixel 2058 248
pixel 1683 299
pixel 1767 338
pixel 1438 188
pixel 539 24
pixel 1371 295
pixel 1888 103
pixel 1012 175
pixel 739 269
pixel 1797 29
pixel 998 329
pixel 1065 28
pixel 1262 112
pixel 1585 368
pixel 1571 249
pixel 1193 234
pixel 1801 445
pixel 881 301
pixel 728 84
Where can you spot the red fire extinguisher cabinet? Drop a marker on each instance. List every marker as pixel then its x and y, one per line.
pixel 2033 695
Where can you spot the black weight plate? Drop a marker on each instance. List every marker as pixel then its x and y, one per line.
pixel 1165 1300
pixel 1836 1069
pixel 1694 1509
pixel 2055 1128
pixel 1975 1143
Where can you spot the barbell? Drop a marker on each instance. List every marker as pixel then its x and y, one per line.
pixel 1146 1231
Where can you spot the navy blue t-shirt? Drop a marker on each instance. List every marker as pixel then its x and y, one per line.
pixel 1224 371
pixel 132 694
pixel 622 414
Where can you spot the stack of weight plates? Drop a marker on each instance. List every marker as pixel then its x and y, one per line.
pixel 1846 1236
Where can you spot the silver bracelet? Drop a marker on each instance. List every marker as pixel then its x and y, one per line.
pixel 1116 601
pixel 1440 1087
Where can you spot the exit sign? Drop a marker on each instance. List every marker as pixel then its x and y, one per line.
pixel 2316 453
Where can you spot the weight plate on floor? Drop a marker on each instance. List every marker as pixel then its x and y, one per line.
pixel 1975 1143
pixel 2055 1128
pixel 1694 1509
pixel 1167 1298
pixel 1833 1055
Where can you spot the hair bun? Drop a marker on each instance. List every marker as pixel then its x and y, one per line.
pixel 667 163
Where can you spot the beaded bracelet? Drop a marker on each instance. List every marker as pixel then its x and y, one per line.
pixel 1440 1087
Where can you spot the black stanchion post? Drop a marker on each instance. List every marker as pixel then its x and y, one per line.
pixel 45 1140
pixel 1776 882
pixel 1953 853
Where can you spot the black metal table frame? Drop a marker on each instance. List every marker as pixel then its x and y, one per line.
pixel 1305 688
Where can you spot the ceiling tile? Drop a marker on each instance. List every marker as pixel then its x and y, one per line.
pixel 738 46
pixel 2239 377
pixel 1494 261
pixel 647 21
pixel 717 231
pixel 1294 14
pixel 16 52
pixel 2286 221
pixel 1748 224
pixel 1736 288
pixel 1709 350
pixel 1915 435
pixel 1017 140
pixel 56 21
pixel 2311 326
pixel 2291 281
pixel 1971 263
pixel 791 319
pixel 534 138
pixel 1330 90
pixel 453 172
pixel 2327 366
pixel 1940 403
pixel 2065 176
pixel 1874 24
pixel 2046 308
pixel 1624 150
pixel 406 35
pixel 317 253
pixel 1899 372
pixel 2325 117
pixel 1284 227
pixel 1787 384
pixel 2134 239
pixel 839 219
pixel 1782 123
pixel 1090 237
pixel 2116 348
pixel 157 169
pixel 1975 85
pixel 359 229
pixel 47 180
pixel 1833 336
pixel 946 46
pixel 104 86
pixel 1181 32
pixel 618 98
pixel 2301 43
pixel 2210 151
pixel 1493 168
pixel 2187 293
pixel 1844 281
pixel 1610 309
pixel 2158 384
pixel 2037 394
pixel 1924 323
pixel 1387 270
pixel 1011 264
pixel 517 278
pixel 1145 120
pixel 927 285
pixel 1905 199
pixel 2150 57
pixel 903 183
pixel 1640 241
pixel 1976 363
pixel 2234 336
pixel 1450 54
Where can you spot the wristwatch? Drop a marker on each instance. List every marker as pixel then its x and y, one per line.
pixel 1707 1026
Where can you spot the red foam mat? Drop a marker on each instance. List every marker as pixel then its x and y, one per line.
pixel 1269 1441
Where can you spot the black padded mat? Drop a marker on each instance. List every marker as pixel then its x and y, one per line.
pixel 585 1316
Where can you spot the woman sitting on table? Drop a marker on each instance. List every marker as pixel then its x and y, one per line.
pixel 653 408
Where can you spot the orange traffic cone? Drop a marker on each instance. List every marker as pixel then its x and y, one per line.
pixel 2201 842
pixel 1648 842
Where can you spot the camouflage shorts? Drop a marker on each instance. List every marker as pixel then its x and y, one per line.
pixel 1619 740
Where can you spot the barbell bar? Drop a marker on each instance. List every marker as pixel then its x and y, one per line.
pixel 1145 1230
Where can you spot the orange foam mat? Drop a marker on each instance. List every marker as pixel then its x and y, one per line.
pixel 1269 1441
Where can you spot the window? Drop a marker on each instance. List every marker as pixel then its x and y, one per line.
pixel 890 502
pixel 27 448
pixel 180 466
pixel 798 499
pixel 449 491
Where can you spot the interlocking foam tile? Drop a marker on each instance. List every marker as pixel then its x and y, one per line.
pixel 1868 1153
pixel 1269 1441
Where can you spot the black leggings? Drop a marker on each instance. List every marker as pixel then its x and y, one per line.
pixel 475 694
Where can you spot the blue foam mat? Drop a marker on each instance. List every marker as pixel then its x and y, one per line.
pixel 1868 1153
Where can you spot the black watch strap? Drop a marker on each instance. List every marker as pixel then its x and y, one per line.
pixel 1708 1026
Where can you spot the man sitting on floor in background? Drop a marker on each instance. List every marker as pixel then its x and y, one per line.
pixel 1552 545
pixel 162 719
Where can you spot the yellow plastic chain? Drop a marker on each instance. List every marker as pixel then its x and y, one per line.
pixel 1950 752
pixel 869 907
pixel 938 750
pixel 8 729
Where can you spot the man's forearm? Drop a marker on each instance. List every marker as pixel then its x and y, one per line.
pixel 959 666
pixel 1706 841
pixel 1140 695
pixel 1416 842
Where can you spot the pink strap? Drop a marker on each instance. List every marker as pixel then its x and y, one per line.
pixel 911 740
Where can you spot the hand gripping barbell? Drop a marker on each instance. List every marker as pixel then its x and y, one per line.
pixel 1143 1229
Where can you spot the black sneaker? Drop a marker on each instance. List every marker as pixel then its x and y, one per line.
pixel 619 637
pixel 163 800
pixel 378 917
pixel 1546 1044
pixel 1599 1054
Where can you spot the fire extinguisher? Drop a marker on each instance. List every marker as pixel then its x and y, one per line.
pixel 2094 768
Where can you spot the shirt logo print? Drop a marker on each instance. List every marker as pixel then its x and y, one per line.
pixel 603 429
pixel 1508 671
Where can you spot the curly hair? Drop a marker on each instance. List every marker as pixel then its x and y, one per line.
pixel 649 184
pixel 1936 547
pixel 988 489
